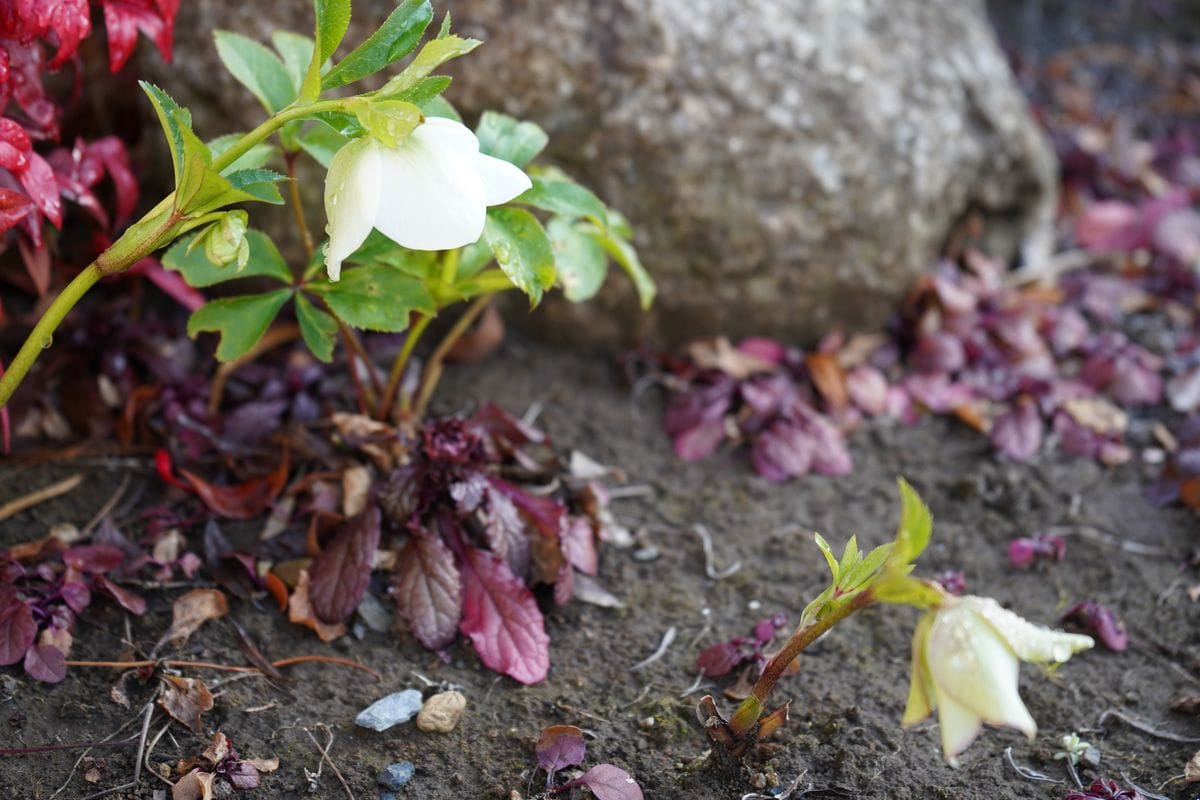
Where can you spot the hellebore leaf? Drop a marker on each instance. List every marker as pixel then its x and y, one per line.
pixel 579 260
pixel 558 747
pixel 502 136
pixel 322 143
pixel 622 251
pixel 256 68
pixel 333 18
pixel 341 571
pixel 502 619
pixel 317 328
pixel 394 39
pixel 240 321
pixel 256 184
pixel 198 271
pixel 916 523
pixel 375 297
pixel 296 51
pixel 427 590
pixel 432 55
pixel 553 191
pixel 522 250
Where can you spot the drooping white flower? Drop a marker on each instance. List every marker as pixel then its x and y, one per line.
pixel 965 658
pixel 431 192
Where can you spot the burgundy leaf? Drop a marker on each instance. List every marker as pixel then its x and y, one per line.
pixel 1018 432
pixel 502 619
pixel 693 444
pixel 242 775
pixel 1099 621
pixel 124 18
pixel 45 662
pixel 341 571
pixel 608 782
pixel 242 501
pixel 546 513
pixel 14 207
pixel 133 603
pixel 829 453
pixel 17 626
pixel 579 545
pixel 938 352
pixel 558 747
pixel 1109 225
pixel 427 590
pixel 719 659
pixel 868 389
pixel 505 530
pixel 782 451
pixel 93 557
pixel 76 595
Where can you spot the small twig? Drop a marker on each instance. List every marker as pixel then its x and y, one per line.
pixel 306 239
pixel 1025 772
pixel 107 508
pixel 150 749
pixel 633 490
pixel 83 755
pixel 667 638
pixel 14 507
pixel 696 684
pixel 532 413
pixel 1146 727
pixel 710 567
pixel 1144 792
pixel 1096 534
pixel 325 756
pixel 1074 774
pixel 176 664
pixel 137 764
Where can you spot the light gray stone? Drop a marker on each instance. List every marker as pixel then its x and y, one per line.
pixel 391 710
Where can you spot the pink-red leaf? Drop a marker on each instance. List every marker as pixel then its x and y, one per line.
pixel 340 573
pixel 124 18
pixel 610 783
pixel 558 747
pixel 428 590
pixel 17 626
pixel 579 545
pixel 502 619
pixel 133 603
pixel 93 557
pixel 45 662
pixel 243 501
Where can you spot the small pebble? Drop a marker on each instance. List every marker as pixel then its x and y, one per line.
pixel 387 796
pixel 390 710
pixel 650 553
pixel 396 775
pixel 441 712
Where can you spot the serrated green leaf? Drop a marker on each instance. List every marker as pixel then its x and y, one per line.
pixel 173 119
pixel 849 556
pixel 198 271
pixel 579 260
pixel 259 184
pixel 322 143
pixel 240 321
pixel 522 250
pixel 396 38
pixel 425 90
pixel 554 191
pixel 296 51
pixel 333 18
pixel 440 107
pixel 473 258
pixel 256 68
pixel 864 570
pixel 916 523
pixel 904 589
pixel 626 256
pixel 344 123
pixel 389 121
pixel 376 297
pixel 432 55
pixel 827 551
pixel 509 138
pixel 316 327
pixel 378 249
pixel 253 158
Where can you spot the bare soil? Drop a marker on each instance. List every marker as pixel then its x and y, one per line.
pixel 844 735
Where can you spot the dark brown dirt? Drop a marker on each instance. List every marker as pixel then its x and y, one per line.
pixel 847 700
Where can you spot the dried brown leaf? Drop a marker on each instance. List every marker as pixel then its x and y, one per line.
pixel 190 612
pixel 196 785
pixel 356 484
pixel 300 611
pixel 719 354
pixel 186 699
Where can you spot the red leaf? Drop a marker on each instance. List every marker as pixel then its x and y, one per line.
pixel 171 283
pixel 17 627
pixel 502 619
pixel 45 662
pixel 93 557
pixel 39 183
pixel 428 590
pixel 693 444
pixel 610 783
pixel 342 570
pixel 1018 433
pixel 579 545
pixel 124 18
pixel 71 22
pixel 133 603
pixel 14 207
pixel 545 513
pixel 719 659
pixel 558 747
pixel 244 500
pixel 76 595
pixel 112 154
pixel 505 530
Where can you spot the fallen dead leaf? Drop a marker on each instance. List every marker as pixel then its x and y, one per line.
pixel 829 378
pixel 196 785
pixel 186 699
pixel 1097 414
pixel 379 441
pixel 263 764
pixel 719 354
pixel 300 611
pixel 1191 772
pixel 217 750
pixel 190 612
pixel 356 483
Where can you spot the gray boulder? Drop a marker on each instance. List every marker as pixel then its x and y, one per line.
pixel 788 166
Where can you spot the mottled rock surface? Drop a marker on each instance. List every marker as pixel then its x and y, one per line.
pixel 787 166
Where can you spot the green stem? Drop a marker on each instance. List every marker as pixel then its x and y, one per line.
pixel 433 368
pixel 157 228
pixel 399 366
pixel 450 265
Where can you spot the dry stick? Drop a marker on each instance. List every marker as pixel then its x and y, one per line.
pixel 433 367
pixel 362 394
pixel 325 756
pixel 177 664
pixel 107 508
pixel 150 749
pixel 137 764
pixel 14 507
pixel 281 334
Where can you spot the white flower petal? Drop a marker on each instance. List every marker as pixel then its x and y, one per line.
pixel 1030 642
pixel 439 132
pixel 502 181
pixel 352 196
pixel 433 195
pixel 959 727
pixel 920 692
pixel 971 663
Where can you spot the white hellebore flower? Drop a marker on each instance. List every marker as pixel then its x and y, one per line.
pixel 965 658
pixel 431 192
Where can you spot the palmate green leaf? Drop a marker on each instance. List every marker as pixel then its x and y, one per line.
pixel 376 297
pixel 509 138
pixel 396 38
pixel 316 327
pixel 472 259
pixel 624 254
pixel 432 55
pixel 579 260
pixel 425 90
pixel 253 158
pixel 240 321
pixel 865 570
pixel 259 184
pixel 296 51
pixel 256 68
pixel 553 191
pixel 378 249
pixel 522 250
pixel 322 143
pixel 333 18
pixel 198 271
